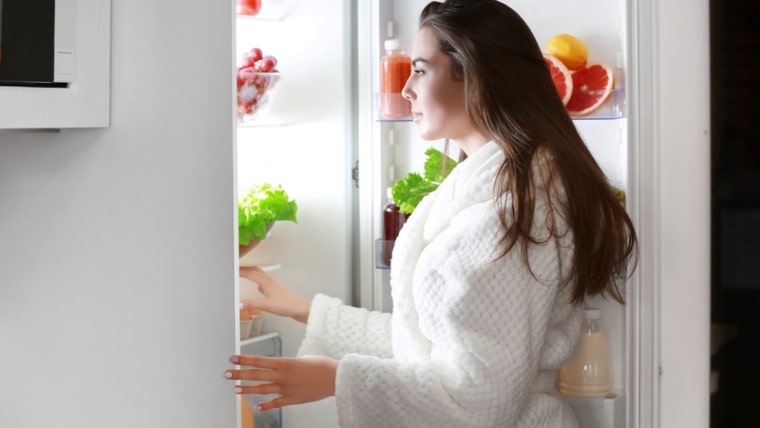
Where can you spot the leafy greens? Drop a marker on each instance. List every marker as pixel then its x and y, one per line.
pixel 407 192
pixel 260 207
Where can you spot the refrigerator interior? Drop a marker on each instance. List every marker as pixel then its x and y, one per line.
pixel 314 131
pixel 301 141
pixel 388 150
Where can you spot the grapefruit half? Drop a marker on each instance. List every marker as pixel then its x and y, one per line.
pixel 561 77
pixel 592 86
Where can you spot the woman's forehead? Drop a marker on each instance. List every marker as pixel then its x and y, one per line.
pixel 426 45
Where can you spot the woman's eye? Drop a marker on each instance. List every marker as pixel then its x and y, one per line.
pixel 418 72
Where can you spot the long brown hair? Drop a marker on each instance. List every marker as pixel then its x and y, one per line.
pixel 511 97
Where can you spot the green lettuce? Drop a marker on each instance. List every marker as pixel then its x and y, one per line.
pixel 260 207
pixel 407 192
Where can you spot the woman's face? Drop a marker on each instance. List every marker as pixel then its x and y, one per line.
pixel 437 96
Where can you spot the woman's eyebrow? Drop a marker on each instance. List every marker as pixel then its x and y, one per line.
pixel 416 60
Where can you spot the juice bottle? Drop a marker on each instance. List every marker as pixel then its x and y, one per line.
pixel 396 66
pixel 393 221
pixel 588 373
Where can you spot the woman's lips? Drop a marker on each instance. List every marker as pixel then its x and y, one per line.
pixel 416 116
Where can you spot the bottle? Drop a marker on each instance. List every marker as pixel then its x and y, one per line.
pixel 588 373
pixel 393 221
pixel 396 66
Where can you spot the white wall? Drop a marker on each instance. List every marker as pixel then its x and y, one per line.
pixel 117 244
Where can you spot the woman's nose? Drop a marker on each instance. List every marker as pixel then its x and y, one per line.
pixel 405 91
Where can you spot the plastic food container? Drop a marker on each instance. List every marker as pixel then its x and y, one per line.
pixel 255 92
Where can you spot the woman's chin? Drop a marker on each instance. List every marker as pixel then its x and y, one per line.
pixel 426 135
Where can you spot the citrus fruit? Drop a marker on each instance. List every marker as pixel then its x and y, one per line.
pixel 568 49
pixel 592 86
pixel 561 77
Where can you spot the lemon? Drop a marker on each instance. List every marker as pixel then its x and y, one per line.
pixel 568 49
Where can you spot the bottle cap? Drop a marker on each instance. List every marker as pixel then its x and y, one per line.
pixel 592 314
pixel 392 44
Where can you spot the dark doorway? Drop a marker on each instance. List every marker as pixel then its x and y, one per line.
pixel 735 113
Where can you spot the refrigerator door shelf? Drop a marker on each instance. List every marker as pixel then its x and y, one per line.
pixel 383 250
pixel 613 108
pixel 599 412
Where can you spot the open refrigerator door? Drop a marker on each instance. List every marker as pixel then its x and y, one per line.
pixel 294 129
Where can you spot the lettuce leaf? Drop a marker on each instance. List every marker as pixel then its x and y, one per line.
pixel 260 207
pixel 433 163
pixel 407 192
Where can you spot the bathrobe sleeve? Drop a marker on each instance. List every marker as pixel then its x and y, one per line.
pixel 335 329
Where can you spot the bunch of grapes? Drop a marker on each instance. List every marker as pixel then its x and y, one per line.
pixel 256 75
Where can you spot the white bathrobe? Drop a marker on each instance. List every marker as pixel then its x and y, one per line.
pixel 472 341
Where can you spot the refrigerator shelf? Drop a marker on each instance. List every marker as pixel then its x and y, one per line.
pixel 272 10
pixel 383 251
pixel 266 344
pixel 599 412
pixel 612 109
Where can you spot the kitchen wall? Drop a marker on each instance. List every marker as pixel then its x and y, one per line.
pixel 117 244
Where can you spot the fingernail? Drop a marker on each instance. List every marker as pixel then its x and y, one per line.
pixel 242 305
pixel 228 375
pixel 238 389
pixel 259 408
pixel 234 359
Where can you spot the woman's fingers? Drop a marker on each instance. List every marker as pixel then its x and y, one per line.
pixel 274 404
pixel 253 273
pixel 260 389
pixel 258 361
pixel 295 380
pixel 266 368
pixel 255 375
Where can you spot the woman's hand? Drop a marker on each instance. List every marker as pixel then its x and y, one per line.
pixel 294 380
pixel 278 299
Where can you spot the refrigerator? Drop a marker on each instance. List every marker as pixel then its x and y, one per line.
pixel 390 149
pixel 322 138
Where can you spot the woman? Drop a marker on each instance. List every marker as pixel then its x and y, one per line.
pixel 489 273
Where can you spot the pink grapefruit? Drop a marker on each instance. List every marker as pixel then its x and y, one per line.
pixel 561 77
pixel 592 86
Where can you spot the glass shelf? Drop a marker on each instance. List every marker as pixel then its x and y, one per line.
pixel 383 250
pixel 266 344
pixel 272 10
pixel 613 109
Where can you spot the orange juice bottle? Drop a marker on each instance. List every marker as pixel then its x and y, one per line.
pixel 395 68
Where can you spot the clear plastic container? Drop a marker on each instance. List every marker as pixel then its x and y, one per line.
pixel 396 66
pixel 588 373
